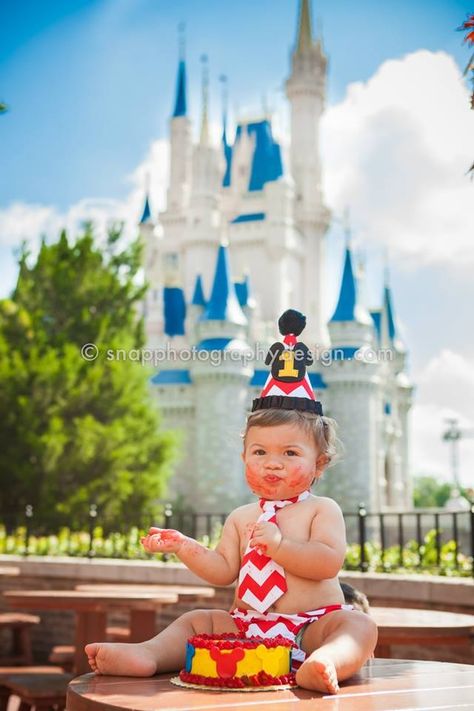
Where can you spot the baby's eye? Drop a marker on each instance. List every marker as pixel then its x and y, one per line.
pixel 291 453
pixel 259 451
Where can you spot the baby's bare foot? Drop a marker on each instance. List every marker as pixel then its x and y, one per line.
pixel 318 674
pixel 121 659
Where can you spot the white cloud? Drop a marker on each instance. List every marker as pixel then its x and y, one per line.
pixel 445 389
pixel 396 151
pixel 22 221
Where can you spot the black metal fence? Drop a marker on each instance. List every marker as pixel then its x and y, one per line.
pixel 419 539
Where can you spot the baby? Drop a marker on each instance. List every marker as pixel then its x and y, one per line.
pixel 303 538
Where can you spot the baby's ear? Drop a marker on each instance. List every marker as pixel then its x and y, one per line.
pixel 322 461
pixel 242 455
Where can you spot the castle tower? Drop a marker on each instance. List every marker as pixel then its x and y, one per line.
pixel 394 482
pixel 176 217
pixel 180 144
pixel 305 89
pixel 202 235
pixel 353 397
pixel 220 377
pixel 153 303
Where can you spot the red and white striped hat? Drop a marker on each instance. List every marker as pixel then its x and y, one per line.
pixel 288 386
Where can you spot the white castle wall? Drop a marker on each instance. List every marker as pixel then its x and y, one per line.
pixel 220 403
pixel 354 403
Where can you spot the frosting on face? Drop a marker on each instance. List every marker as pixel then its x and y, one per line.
pixel 280 461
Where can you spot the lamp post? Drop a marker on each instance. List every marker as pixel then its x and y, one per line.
pixel 453 435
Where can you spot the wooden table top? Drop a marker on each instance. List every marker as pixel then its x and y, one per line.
pixel 381 685
pixel 81 600
pixel 9 570
pixel 181 590
pixel 427 622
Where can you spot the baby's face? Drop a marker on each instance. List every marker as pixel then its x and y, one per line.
pixel 280 462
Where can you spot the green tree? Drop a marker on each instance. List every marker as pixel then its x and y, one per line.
pixel 428 492
pixel 76 431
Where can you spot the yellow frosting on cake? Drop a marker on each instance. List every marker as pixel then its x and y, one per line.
pixel 274 661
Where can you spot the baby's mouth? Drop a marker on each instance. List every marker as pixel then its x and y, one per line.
pixel 272 478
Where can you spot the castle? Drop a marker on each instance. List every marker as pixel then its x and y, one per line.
pixel 242 239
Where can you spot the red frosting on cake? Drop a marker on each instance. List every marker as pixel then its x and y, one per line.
pixel 260 679
pixel 231 641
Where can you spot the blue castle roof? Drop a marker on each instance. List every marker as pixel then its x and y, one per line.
pixel 249 217
pixel 242 290
pixel 180 102
pixel 171 377
pixel 223 304
pixel 198 294
pixel 387 298
pixel 266 161
pixel 377 319
pixel 146 216
pixel 174 310
pixel 346 305
pixel 227 153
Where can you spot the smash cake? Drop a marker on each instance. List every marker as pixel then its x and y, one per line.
pixel 228 662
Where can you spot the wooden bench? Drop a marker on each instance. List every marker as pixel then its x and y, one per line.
pixel 9 673
pixel 63 654
pixel 39 691
pixel 20 625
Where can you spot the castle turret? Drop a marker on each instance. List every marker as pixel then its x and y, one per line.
pixel 204 227
pixel 351 326
pixel 305 90
pixel 153 303
pixel 195 309
pixel 353 395
pixel 395 483
pixel 221 375
pixel 180 146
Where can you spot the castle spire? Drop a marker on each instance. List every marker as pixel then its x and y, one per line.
pixel 180 104
pixel 348 307
pixel 146 214
pixel 225 145
pixel 223 304
pixel 205 101
pixel 198 294
pixel 304 40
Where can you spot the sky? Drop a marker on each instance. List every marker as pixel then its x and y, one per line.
pixel 90 88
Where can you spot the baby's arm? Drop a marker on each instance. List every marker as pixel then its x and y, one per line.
pixel 319 558
pixel 218 567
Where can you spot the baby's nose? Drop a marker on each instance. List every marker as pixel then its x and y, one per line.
pixel 273 463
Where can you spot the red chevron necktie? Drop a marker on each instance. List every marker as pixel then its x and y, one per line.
pixel 261 580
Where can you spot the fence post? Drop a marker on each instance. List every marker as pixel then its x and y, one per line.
pixel 168 514
pixel 29 516
pixel 472 539
pixel 362 537
pixel 92 518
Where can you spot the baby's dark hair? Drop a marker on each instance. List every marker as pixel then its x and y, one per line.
pixel 323 429
pixel 355 597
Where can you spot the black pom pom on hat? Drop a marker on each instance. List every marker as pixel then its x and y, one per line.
pixel 291 321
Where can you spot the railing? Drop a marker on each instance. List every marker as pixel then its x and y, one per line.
pixel 438 540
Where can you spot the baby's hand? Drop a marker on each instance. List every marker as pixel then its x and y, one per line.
pixel 162 540
pixel 266 537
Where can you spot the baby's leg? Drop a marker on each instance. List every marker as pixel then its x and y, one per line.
pixel 337 646
pixel 164 653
